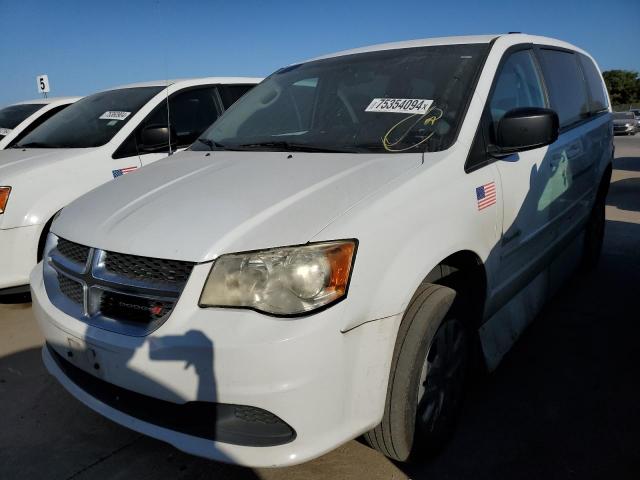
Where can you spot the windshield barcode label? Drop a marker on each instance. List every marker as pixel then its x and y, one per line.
pixel 114 115
pixel 399 105
pixel 5 131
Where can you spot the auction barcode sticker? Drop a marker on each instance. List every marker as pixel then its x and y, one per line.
pixel 114 115
pixel 5 131
pixel 400 105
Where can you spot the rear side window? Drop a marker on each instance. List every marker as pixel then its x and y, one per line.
pixel 566 86
pixel 595 84
pixel 231 93
pixel 518 85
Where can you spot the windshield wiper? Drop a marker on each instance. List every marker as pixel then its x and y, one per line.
pixel 292 147
pixel 215 145
pixel 38 145
pixel 209 143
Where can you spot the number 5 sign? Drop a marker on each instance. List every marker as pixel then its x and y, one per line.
pixel 43 83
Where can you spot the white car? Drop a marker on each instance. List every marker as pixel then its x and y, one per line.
pixel 99 138
pixel 19 119
pixel 322 263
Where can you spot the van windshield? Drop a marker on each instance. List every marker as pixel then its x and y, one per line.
pixel 91 121
pixel 402 100
pixel 12 116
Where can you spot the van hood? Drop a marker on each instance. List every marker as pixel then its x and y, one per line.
pixel 195 206
pixel 33 171
pixel 15 162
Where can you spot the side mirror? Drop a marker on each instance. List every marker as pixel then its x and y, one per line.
pixel 525 129
pixel 155 138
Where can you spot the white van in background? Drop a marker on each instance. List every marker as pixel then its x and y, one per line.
pixel 98 138
pixel 19 119
pixel 322 263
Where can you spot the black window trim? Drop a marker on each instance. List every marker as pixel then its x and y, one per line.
pixel 584 75
pixel 589 116
pixel 472 164
pixel 216 100
pixel 473 86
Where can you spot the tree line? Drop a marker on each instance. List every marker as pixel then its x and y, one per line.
pixel 623 86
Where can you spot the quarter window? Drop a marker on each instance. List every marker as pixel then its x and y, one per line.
pixel 566 86
pixel 518 85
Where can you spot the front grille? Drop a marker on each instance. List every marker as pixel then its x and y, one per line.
pixel 121 293
pixel 156 270
pixel 73 252
pixel 255 415
pixel 134 309
pixel 71 289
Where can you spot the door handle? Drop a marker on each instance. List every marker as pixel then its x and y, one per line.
pixel 512 236
pixel 573 151
pixel 555 161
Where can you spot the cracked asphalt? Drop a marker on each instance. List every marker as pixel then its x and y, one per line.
pixel 565 402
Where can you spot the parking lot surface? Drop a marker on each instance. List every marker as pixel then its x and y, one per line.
pixel 565 402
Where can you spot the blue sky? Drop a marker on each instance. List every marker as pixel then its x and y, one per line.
pixel 88 45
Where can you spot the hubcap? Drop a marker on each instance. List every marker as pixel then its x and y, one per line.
pixel 442 376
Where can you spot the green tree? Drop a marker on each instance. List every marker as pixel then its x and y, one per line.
pixel 623 86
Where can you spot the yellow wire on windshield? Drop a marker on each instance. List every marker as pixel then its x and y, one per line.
pixel 427 119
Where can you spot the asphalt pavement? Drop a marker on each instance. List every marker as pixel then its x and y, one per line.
pixel 564 403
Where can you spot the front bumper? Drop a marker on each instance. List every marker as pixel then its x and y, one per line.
pixel 18 254
pixel 328 386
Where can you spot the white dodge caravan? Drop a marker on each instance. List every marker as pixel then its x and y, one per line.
pixel 19 119
pixel 322 262
pixel 100 137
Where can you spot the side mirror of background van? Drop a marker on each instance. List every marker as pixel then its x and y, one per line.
pixel 155 138
pixel 525 129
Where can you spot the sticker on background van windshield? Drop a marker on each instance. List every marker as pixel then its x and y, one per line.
pixel 5 131
pixel 114 115
pixel 399 105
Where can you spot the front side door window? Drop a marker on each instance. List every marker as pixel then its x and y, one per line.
pixel 527 232
pixel 189 114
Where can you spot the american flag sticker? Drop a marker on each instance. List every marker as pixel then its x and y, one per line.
pixel 122 171
pixel 486 195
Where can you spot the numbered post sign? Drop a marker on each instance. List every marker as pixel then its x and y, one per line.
pixel 43 83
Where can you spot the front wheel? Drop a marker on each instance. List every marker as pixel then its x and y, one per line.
pixel 427 378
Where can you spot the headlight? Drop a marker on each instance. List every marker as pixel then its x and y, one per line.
pixel 281 281
pixel 4 198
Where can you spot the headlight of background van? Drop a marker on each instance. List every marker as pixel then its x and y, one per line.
pixel 282 281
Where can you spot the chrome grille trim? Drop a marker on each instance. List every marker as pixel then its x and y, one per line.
pixel 136 296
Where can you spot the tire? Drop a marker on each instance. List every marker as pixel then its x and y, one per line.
pixel 594 234
pixel 427 377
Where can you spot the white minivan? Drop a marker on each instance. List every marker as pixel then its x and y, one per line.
pixel 19 119
pixel 322 263
pixel 99 138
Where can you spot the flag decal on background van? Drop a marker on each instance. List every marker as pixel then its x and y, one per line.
pixel 486 195
pixel 122 171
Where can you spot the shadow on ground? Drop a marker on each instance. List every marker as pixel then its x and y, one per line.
pixel 630 164
pixel 627 194
pixel 565 401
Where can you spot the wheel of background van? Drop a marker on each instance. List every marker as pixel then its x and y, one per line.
pixel 427 377
pixel 594 234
